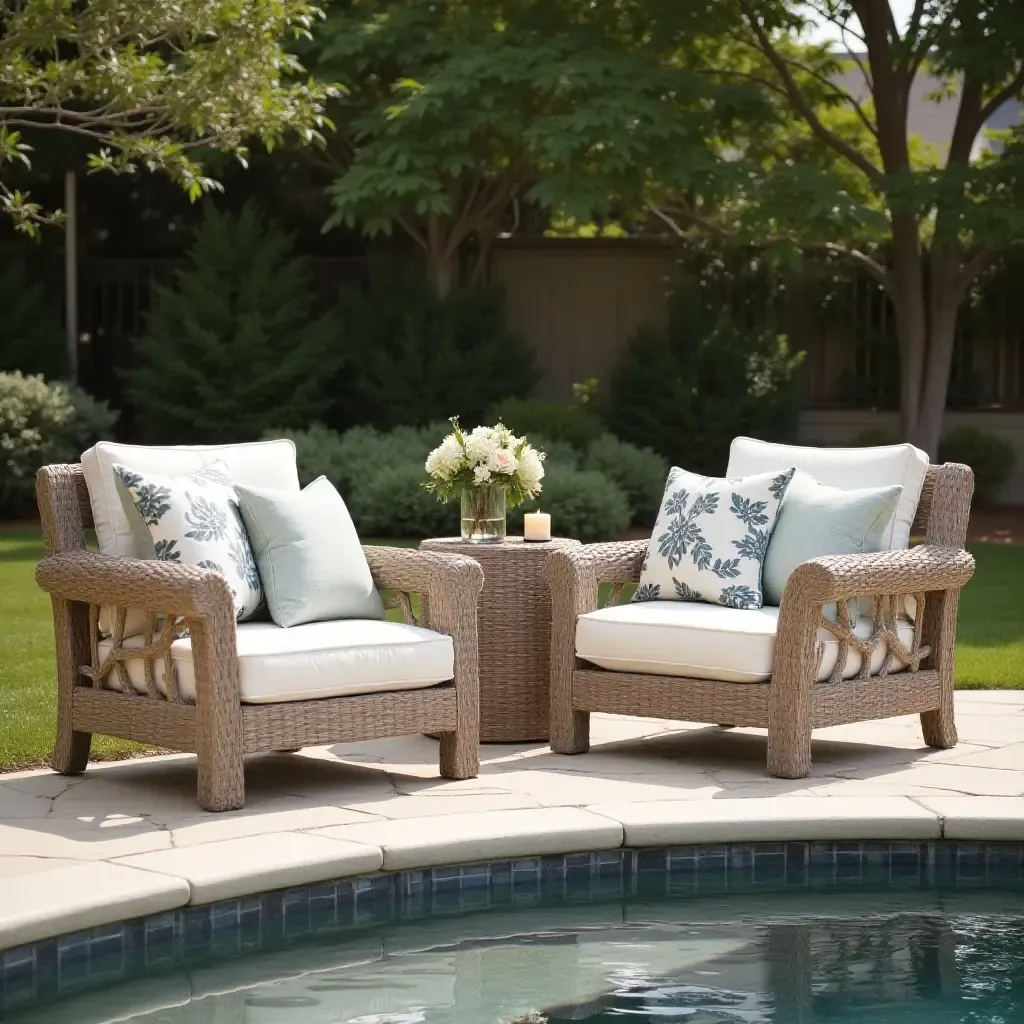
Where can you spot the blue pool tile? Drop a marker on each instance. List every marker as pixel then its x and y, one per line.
pixel 83 959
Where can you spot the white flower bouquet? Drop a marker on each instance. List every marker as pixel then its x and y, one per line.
pixel 485 457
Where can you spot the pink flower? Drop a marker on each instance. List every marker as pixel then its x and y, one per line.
pixel 504 462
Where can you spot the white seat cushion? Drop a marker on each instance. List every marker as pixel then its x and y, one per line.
pixel 317 659
pixel 848 469
pixel 703 641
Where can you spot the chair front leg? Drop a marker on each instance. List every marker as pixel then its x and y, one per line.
pixel 71 634
pixel 219 742
pixel 449 605
pixel 573 588
pixel 939 724
pixel 789 696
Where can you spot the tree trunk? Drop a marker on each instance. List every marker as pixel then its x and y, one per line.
pixel 907 291
pixel 440 274
pixel 442 268
pixel 926 316
pixel 944 303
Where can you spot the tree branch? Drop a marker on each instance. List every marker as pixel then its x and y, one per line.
pixel 803 105
pixel 980 261
pixel 1014 86
pixel 691 215
pixel 841 24
pixel 862 259
pixel 411 230
pixel 846 96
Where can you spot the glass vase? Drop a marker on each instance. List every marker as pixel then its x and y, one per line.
pixel 483 514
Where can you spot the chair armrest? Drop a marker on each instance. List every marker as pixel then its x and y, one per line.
pixel 925 568
pixel 432 574
pixel 573 574
pixel 148 584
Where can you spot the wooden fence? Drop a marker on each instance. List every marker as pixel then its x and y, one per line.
pixel 577 302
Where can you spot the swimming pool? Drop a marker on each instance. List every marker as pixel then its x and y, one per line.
pixel 788 933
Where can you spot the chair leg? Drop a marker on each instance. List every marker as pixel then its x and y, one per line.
pixel 789 727
pixel 460 753
pixel 221 782
pixel 569 728
pixel 71 633
pixel 71 751
pixel 939 727
pixel 220 751
pixel 939 724
pixel 789 752
pixel 570 731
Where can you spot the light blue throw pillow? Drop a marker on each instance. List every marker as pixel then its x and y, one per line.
pixel 816 520
pixel 309 556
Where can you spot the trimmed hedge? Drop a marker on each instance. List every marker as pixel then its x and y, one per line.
pixel 584 504
pixel 991 457
pixel 556 421
pixel 639 472
pixel 42 422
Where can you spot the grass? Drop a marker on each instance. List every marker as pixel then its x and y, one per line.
pixel 990 636
pixel 990 652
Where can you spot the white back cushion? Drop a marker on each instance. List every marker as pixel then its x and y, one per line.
pixel 259 464
pixel 848 469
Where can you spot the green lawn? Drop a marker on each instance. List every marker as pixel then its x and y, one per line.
pixel 990 653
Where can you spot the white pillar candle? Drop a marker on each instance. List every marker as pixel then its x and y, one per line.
pixel 537 526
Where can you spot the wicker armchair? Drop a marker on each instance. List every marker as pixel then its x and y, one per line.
pixel 791 703
pixel 218 727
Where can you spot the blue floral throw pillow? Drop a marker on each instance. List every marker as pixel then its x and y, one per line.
pixel 710 539
pixel 193 520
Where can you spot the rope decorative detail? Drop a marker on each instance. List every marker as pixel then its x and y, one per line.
pixel 885 617
pixel 161 632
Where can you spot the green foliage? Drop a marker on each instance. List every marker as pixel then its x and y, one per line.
pixel 583 504
pixel 354 461
pixel 147 84
pixel 559 453
pixel 32 340
pixel 413 358
pixel 393 503
pixel 319 451
pixel 688 391
pixel 380 475
pixel 91 420
pixel 233 345
pixel 455 108
pixel 991 457
pixel 555 421
pixel 639 472
pixel 42 423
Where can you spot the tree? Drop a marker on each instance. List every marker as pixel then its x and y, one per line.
pixel 457 109
pixel 148 85
pixel 931 222
pixel 31 339
pixel 232 348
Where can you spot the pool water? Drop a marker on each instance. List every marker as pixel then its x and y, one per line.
pixel 920 956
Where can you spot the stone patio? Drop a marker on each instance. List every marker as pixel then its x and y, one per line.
pixel 128 838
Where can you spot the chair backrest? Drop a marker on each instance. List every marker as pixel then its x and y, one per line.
pixel 64 507
pixel 942 512
pixel 945 505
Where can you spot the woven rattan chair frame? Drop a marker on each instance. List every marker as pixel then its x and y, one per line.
pixel 790 704
pixel 218 727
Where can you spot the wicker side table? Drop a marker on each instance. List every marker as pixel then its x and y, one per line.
pixel 514 626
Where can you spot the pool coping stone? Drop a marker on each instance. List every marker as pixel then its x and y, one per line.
pixel 53 902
